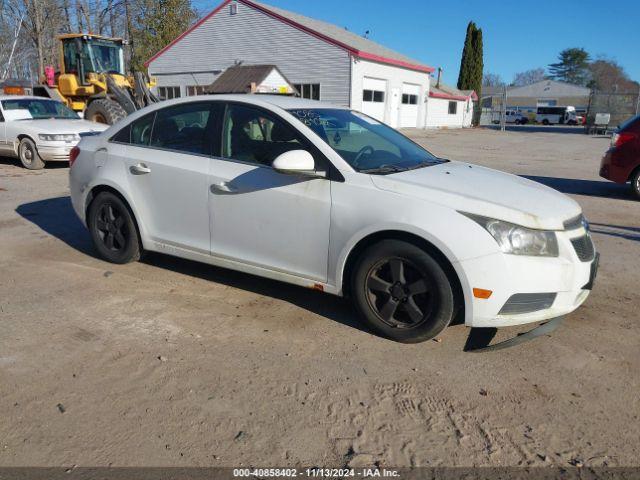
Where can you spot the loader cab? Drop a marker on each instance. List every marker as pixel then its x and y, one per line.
pixel 85 54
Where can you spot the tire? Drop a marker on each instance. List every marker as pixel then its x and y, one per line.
pixel 383 280
pixel 635 183
pixel 105 110
pixel 113 229
pixel 545 122
pixel 28 154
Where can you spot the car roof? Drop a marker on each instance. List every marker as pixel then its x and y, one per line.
pixel 283 101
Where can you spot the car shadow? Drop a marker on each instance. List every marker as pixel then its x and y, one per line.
pixel 591 188
pixel 57 217
pixel 16 162
pixel 618 231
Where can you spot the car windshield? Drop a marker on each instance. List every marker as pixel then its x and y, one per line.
pixel 366 144
pixel 106 56
pixel 39 109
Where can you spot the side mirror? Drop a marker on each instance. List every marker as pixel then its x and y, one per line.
pixel 296 162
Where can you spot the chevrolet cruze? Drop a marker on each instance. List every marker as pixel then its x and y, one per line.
pixel 328 198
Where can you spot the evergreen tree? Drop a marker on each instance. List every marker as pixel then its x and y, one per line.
pixel 472 63
pixel 467 59
pixel 475 82
pixel 572 67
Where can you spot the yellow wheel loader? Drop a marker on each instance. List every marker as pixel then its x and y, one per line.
pixel 92 79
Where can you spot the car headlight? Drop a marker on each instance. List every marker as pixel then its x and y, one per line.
pixel 517 240
pixel 59 137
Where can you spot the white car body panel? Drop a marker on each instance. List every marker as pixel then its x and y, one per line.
pixel 301 230
pixel 18 124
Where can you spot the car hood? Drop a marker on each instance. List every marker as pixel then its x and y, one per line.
pixel 483 191
pixel 58 125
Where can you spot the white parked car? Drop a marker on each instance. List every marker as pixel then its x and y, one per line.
pixel 331 199
pixel 511 116
pixel 38 130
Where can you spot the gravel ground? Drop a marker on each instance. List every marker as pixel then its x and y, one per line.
pixel 169 362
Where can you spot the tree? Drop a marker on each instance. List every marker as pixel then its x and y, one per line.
pixel 478 53
pixel 472 63
pixel 467 57
pixel 155 24
pixel 572 67
pixel 528 77
pixel 492 80
pixel 607 75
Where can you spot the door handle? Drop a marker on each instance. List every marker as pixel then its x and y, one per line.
pixel 140 169
pixel 223 187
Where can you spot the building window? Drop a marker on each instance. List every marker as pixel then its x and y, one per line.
pixel 308 90
pixel 376 96
pixel 408 99
pixel 167 93
pixel 194 90
pixel 453 108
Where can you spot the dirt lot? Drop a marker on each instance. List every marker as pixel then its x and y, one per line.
pixel 168 362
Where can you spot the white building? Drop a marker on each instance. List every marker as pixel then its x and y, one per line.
pixel 448 107
pixel 323 61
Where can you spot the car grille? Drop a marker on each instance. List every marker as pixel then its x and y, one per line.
pixel 574 223
pixel 527 303
pixel 584 248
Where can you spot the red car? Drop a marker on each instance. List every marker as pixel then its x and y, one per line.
pixel 621 163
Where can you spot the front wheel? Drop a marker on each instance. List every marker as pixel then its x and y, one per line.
pixel 113 229
pixel 29 156
pixel 105 110
pixel 635 184
pixel 545 122
pixel 402 292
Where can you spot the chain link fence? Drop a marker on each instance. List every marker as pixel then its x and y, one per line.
pixel 605 110
pixel 617 107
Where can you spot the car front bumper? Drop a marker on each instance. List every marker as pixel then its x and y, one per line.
pixel 55 151
pixel 567 279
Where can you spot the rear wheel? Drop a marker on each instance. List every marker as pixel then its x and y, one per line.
pixel 29 156
pixel 105 110
pixel 545 122
pixel 635 184
pixel 402 292
pixel 113 229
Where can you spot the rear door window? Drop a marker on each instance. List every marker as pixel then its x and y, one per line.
pixel 184 128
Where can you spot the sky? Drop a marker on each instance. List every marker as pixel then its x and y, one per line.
pixel 518 34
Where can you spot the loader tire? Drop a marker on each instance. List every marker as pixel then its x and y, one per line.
pixel 105 110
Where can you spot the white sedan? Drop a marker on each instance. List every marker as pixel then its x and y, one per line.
pixel 38 130
pixel 331 199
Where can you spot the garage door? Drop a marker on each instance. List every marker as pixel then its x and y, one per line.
pixel 374 93
pixel 409 105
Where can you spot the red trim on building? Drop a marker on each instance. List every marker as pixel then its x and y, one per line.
pixel 391 61
pixel 351 50
pixel 447 96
